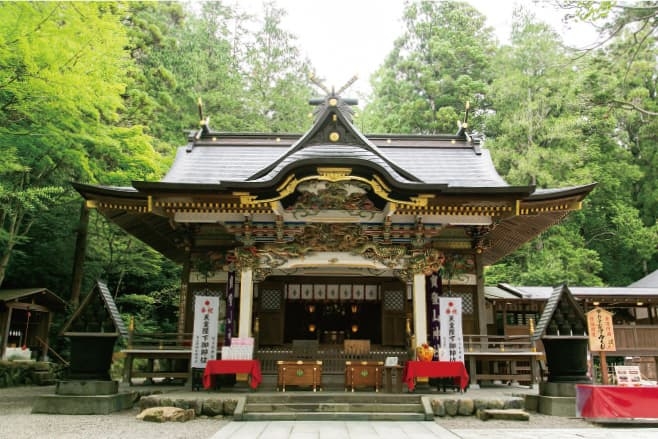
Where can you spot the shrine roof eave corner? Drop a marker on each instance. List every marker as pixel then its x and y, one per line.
pixel 86 190
pixel 572 191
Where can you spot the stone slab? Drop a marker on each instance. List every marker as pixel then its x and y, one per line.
pixel 83 405
pixel 503 414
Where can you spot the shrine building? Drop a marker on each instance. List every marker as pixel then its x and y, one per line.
pixel 334 234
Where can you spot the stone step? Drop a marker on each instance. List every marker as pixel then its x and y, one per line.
pixel 503 414
pixel 332 416
pixel 338 407
pixel 43 378
pixel 325 397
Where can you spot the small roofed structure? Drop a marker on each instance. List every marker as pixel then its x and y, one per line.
pixel 93 330
pixel 25 319
pixel 562 329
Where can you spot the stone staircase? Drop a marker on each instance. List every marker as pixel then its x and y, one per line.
pixel 332 406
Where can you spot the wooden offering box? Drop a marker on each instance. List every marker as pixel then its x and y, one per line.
pixel 299 373
pixel 363 374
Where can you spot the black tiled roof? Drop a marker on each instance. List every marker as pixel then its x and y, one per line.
pixel 454 166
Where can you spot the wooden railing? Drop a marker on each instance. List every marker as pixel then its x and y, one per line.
pixel 498 343
pixel 504 358
pixel 159 340
pixel 166 355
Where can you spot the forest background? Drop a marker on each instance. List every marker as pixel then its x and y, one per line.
pixel 100 92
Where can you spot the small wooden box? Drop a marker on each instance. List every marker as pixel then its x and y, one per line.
pixel 299 373
pixel 363 374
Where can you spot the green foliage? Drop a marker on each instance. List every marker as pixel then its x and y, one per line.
pixel 558 255
pixel 436 67
pixel 63 71
pixel 277 78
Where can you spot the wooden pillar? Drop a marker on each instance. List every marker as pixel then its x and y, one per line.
pixel 246 302
pixel 183 304
pixel 479 286
pixel 420 309
pixel 5 321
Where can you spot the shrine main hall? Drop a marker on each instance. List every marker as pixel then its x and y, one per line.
pixel 334 234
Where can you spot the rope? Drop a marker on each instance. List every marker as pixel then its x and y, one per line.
pixel 27 326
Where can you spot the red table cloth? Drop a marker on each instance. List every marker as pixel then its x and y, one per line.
pixel 218 367
pixel 435 369
pixel 616 402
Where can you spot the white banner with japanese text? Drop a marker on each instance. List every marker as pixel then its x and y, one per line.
pixel 450 322
pixel 204 337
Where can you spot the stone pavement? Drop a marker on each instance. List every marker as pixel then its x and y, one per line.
pixel 416 430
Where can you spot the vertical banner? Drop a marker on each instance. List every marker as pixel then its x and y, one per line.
pixel 204 337
pixel 433 291
pixel 452 339
pixel 230 301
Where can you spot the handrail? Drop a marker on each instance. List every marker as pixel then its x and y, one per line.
pixel 498 343
pixel 160 340
pixel 47 346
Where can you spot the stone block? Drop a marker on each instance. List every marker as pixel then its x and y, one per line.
pixel 86 388
pixel 557 406
pixel 166 414
pixel 557 389
pixel 465 407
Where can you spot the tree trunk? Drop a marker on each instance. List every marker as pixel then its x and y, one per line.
pixel 79 257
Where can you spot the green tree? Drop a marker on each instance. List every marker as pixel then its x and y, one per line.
pixel 63 72
pixel 564 133
pixel 535 132
pixel 276 77
pixel 440 63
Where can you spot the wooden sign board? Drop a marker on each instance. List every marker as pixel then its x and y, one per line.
pixel 601 331
pixel 628 375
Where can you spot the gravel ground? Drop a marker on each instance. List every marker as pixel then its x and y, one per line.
pixel 17 422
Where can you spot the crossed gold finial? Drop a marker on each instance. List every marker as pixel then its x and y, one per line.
pixel 347 84
pixel 317 82
pixel 324 88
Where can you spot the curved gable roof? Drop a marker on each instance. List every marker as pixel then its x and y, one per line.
pixel 437 160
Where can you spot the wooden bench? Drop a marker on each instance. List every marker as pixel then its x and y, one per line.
pixel 299 373
pixel 360 374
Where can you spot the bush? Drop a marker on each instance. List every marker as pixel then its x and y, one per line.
pixel 21 373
